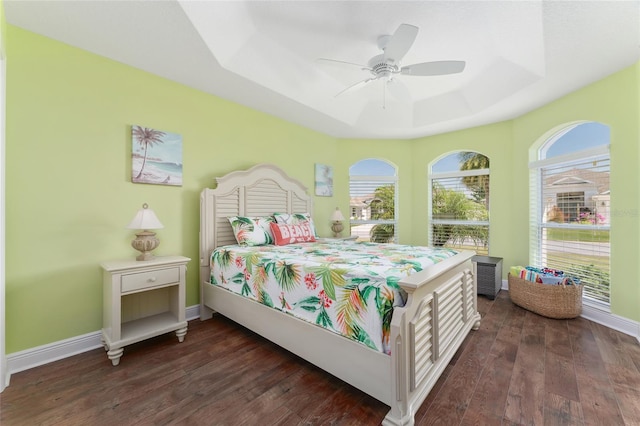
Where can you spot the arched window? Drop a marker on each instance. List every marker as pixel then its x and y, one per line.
pixel 571 207
pixel 373 201
pixel 459 202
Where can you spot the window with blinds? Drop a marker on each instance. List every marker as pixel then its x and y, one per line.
pixel 459 202
pixel 372 190
pixel 570 217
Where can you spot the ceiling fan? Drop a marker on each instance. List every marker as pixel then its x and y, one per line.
pixel 386 66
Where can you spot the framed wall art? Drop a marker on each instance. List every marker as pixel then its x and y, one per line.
pixel 156 156
pixel 324 180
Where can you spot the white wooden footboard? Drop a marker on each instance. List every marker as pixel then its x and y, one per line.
pixel 428 330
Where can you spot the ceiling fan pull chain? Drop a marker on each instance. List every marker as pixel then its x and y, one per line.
pixel 384 94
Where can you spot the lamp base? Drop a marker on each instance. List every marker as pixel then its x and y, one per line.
pixel 145 256
pixel 337 228
pixel 145 242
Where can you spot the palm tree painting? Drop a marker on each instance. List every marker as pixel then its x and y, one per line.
pixel 156 156
pixel 324 180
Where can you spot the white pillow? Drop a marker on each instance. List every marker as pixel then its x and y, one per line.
pixel 252 231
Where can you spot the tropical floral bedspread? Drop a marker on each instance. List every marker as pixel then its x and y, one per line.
pixel 347 287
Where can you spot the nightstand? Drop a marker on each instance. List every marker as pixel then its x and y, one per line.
pixel 489 275
pixel 142 299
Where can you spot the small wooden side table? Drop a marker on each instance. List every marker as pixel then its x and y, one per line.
pixel 142 299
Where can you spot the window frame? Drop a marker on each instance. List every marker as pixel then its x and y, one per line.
pixel 384 180
pixel 454 175
pixel 538 226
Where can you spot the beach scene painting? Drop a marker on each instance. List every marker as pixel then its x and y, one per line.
pixel 156 156
pixel 324 180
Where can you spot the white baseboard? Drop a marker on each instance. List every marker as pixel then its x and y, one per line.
pixel 40 355
pixel 615 322
pixel 34 357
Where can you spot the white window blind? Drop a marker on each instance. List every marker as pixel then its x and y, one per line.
pixel 570 217
pixel 373 207
pixel 459 210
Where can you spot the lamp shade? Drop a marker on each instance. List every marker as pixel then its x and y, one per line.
pixel 145 219
pixel 337 215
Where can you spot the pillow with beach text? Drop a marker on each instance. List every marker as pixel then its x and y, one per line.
pixel 284 234
pixel 294 219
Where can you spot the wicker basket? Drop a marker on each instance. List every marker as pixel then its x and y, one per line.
pixel 553 301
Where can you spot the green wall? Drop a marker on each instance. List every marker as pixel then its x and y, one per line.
pixel 613 101
pixel 69 195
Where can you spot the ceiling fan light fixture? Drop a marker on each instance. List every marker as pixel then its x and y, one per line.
pixel 387 64
pixel 380 68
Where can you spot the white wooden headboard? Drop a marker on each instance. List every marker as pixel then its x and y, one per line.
pixel 259 191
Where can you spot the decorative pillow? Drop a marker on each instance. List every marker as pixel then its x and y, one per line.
pixel 252 231
pixel 294 219
pixel 288 234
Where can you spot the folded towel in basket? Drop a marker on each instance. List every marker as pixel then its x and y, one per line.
pixel 543 275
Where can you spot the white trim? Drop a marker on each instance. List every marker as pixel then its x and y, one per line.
pixel 373 222
pixel 4 372
pixel 615 322
pixel 375 178
pixel 586 154
pixel 460 222
pixel 582 226
pixel 593 313
pixel 459 173
pixel 41 355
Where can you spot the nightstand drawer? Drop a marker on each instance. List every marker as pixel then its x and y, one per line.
pixel 132 282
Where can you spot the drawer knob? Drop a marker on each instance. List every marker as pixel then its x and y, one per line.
pixel 152 280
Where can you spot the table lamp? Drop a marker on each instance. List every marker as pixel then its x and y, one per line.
pixel 337 219
pixel 145 241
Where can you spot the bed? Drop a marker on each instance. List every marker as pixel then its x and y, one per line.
pixel 439 311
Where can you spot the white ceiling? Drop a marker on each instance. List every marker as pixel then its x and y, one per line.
pixel 519 54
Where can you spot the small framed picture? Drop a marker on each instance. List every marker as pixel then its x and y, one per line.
pixel 156 156
pixel 324 180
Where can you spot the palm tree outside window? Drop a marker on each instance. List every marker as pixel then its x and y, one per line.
pixel 459 202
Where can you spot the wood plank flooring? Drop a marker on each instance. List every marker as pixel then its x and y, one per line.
pixel 518 369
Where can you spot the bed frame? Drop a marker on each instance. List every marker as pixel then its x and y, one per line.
pixel 440 311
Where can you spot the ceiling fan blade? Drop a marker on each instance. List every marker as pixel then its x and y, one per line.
pixel 355 86
pixel 434 68
pixel 342 63
pixel 399 91
pixel 400 42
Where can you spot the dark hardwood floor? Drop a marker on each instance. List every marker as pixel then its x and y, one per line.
pixel 518 369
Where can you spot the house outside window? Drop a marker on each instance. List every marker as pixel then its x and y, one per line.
pixel 572 203
pixel 570 208
pixel 373 201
